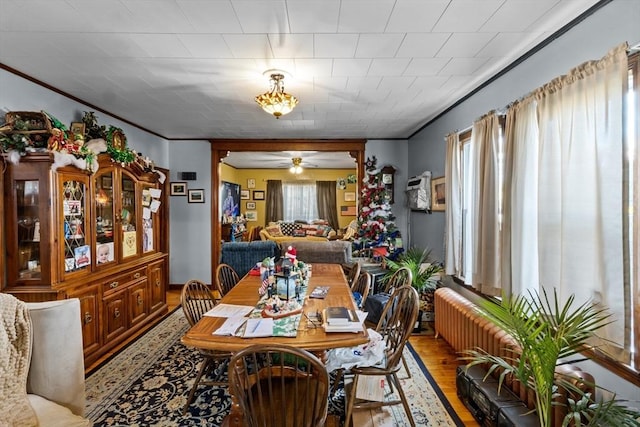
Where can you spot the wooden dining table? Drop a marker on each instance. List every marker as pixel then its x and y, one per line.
pixel 310 336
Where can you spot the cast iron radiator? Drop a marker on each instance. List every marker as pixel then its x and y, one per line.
pixel 460 323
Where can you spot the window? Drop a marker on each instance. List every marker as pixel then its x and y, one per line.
pixel 300 201
pixel 570 205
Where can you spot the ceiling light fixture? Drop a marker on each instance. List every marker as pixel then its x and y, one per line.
pixel 277 102
pixel 296 168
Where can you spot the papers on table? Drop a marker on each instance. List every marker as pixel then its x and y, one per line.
pixel 259 327
pixel 229 310
pixel 231 326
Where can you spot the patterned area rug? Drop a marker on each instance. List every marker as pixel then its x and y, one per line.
pixel 147 384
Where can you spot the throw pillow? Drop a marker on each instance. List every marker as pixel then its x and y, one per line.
pixel 299 232
pixel 274 230
pixel 323 230
pixel 287 228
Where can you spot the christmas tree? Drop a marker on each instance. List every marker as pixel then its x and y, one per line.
pixel 375 220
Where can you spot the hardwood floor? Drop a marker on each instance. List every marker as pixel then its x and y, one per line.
pixel 436 354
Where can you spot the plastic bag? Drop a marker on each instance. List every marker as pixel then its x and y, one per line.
pixel 369 354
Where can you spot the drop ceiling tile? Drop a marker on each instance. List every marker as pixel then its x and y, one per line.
pixel 463 66
pixel 109 16
pixel 517 16
pixel 291 45
pixel 314 16
pixel 335 45
pixel 249 45
pixel 378 45
pixel 350 67
pixel 160 45
pixel 205 45
pixel 461 45
pixel 466 15
pixel 364 16
pixel 415 16
pixel 425 66
pixel 262 16
pixel 422 45
pixel 307 68
pixel 152 14
pixel 208 16
pixel 388 66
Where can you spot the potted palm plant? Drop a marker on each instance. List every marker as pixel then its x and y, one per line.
pixel 548 332
pixel 426 273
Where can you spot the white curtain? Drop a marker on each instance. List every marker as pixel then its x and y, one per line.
pixel 521 205
pixel 453 228
pixel 300 201
pixel 484 209
pixel 580 206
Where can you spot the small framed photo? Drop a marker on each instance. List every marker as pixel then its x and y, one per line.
pixel 106 182
pixel 244 195
pixel 195 196
pixel 178 189
pixel 258 195
pixel 251 216
pixel 77 128
pixel 438 195
pixel 349 196
pixel 251 183
pixel 251 205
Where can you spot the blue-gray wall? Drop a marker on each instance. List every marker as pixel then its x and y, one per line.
pixel 613 24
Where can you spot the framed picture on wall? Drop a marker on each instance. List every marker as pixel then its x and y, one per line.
pixel 251 205
pixel 196 196
pixel 177 188
pixel 438 195
pixel 244 195
pixel 251 216
pixel 258 195
pixel 349 196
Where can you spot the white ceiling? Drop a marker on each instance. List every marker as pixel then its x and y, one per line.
pixel 190 69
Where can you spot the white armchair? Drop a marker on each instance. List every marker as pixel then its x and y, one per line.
pixel 54 360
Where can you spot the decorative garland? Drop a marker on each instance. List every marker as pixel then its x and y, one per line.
pixel 117 146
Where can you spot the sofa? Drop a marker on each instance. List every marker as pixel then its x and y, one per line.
pixel 42 356
pixel 283 231
pixel 329 252
pixel 243 256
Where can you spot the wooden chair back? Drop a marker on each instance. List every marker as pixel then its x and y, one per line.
pixel 398 321
pixel 279 386
pixel 226 279
pixel 402 277
pixel 362 286
pixel 196 299
pixel 354 272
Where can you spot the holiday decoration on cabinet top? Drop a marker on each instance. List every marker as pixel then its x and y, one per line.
pixel 85 217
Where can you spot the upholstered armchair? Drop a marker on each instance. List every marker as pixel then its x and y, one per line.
pixel 41 348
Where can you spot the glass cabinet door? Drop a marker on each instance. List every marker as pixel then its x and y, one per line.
pixel 105 250
pixel 128 212
pixel 29 256
pixel 77 253
pixel 148 236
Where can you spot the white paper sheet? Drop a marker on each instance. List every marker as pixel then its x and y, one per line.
pixel 155 205
pixel 230 326
pixel 229 310
pixel 155 193
pixel 259 327
pixel 146 213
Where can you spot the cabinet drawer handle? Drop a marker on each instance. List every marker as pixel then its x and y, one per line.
pixel 87 318
pixel 136 276
pixel 113 285
pixel 139 298
pixel 116 313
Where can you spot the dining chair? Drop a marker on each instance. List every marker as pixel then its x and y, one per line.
pixel 226 279
pixel 196 299
pixel 360 288
pixel 401 277
pixel 279 386
pixel 395 326
pixel 354 272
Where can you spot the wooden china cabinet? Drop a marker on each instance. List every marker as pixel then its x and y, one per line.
pixel 100 237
